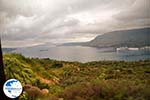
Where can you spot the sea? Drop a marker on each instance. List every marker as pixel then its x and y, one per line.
pixel 83 53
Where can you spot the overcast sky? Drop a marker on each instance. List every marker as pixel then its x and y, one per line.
pixel 34 22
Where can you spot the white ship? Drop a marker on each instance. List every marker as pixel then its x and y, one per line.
pixel 147 48
pixel 122 49
pixel 133 49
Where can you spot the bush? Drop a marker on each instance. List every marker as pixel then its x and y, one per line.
pixel 34 92
pixel 57 65
pixel 104 90
pixel 40 85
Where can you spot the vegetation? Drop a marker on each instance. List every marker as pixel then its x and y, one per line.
pixel 46 79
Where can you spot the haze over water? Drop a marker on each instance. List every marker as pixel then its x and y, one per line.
pixel 82 53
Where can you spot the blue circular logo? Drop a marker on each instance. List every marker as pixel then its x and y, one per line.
pixel 12 88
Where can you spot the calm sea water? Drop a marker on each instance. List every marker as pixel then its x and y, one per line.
pixel 82 54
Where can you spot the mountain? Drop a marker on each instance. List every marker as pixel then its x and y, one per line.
pixel 73 44
pixel 129 38
pixel 6 50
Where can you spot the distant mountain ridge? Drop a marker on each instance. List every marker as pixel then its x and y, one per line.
pixel 123 38
pixel 6 50
pixel 129 38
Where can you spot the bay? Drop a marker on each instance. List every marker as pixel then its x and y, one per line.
pixel 82 53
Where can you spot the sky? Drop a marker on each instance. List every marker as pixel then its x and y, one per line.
pixel 34 22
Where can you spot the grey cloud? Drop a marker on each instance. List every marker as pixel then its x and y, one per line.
pixel 138 14
pixel 38 21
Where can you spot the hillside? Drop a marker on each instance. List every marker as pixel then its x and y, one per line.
pixel 122 38
pixel 46 79
pixel 129 38
pixel 6 50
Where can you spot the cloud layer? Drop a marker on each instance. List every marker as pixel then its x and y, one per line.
pixel 33 22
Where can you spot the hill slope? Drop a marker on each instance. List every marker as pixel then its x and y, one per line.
pixel 129 38
pixel 6 50
pixel 103 80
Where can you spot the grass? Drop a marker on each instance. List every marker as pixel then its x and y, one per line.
pixel 101 80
